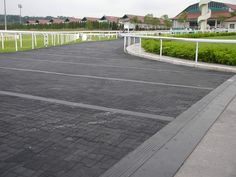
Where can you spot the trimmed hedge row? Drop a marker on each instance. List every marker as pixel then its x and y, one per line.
pixel 204 35
pixel 211 53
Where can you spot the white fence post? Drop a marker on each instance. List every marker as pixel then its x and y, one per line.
pixel 21 43
pixel 134 40
pixel 140 45
pixel 58 39
pixel 52 38
pixel 54 41
pixel 161 48
pixel 35 40
pixel 44 40
pixel 16 45
pixel 125 43
pixel 2 36
pixel 196 57
pixel 45 37
pixel 32 40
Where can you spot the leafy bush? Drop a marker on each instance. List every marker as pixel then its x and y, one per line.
pixel 204 35
pixel 211 53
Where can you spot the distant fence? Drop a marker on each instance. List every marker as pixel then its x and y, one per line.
pixel 52 37
pixel 130 39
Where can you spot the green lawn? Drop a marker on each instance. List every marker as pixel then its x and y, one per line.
pixel 27 43
pixel 212 53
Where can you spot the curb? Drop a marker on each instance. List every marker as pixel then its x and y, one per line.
pixel 165 152
pixel 135 51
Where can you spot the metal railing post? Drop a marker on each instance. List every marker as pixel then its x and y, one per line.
pixel 35 40
pixel 58 39
pixel 32 40
pixel 161 48
pixel 21 43
pixel 2 36
pixel 196 56
pixel 44 40
pixel 54 41
pixel 125 43
pixel 140 45
pixel 16 45
pixel 129 41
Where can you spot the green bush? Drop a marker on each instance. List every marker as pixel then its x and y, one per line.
pixel 204 35
pixel 211 53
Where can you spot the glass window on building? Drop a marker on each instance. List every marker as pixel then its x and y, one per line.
pixel 232 26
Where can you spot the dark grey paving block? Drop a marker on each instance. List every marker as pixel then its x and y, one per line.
pixel 52 140
pixel 153 99
pixel 39 138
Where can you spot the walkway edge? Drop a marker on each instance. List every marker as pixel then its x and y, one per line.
pixel 164 153
pixel 136 51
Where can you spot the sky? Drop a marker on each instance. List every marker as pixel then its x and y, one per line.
pixel 98 8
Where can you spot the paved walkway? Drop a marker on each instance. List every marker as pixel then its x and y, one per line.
pixel 215 155
pixel 76 110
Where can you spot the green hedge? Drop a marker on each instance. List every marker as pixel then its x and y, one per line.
pixel 211 53
pixel 204 35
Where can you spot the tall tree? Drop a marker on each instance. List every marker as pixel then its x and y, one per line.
pixel 183 17
pixel 221 19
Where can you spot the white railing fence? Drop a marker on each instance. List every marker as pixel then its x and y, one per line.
pixel 130 39
pixel 53 38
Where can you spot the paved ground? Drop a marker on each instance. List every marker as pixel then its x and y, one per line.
pixel 77 110
pixel 215 155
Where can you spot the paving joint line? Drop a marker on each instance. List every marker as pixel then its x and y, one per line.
pixel 87 106
pixel 107 78
pixel 108 66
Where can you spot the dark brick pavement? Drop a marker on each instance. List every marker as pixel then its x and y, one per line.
pixel 40 139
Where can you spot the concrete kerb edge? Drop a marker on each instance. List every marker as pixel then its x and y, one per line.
pixel 134 162
pixel 135 51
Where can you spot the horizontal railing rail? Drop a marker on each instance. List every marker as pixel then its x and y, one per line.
pixel 130 39
pixel 53 37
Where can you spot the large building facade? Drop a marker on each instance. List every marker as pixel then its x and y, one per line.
pixel 222 16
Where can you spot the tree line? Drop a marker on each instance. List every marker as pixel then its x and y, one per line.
pixel 13 23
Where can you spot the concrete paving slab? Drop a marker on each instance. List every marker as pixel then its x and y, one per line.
pixel 215 154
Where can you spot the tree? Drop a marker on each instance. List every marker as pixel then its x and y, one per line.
pixel 183 17
pixel 148 19
pixel 221 19
pixel 135 20
pixel 233 14
pixel 167 21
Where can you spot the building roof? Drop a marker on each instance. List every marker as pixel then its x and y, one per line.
pixel 72 19
pixel 217 9
pixel 56 20
pixel 30 21
pixel 42 21
pixel 214 15
pixel 92 19
pixel 162 21
pixel 129 16
pixel 232 19
pixel 232 6
pixel 110 18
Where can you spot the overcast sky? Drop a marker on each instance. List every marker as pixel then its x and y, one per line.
pixel 97 8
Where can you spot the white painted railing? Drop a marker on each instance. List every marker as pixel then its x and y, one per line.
pixel 130 39
pixel 57 38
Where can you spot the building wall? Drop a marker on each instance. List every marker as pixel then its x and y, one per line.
pixel 180 25
pixel 230 25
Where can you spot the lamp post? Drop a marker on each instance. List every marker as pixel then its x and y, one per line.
pixel 20 7
pixel 5 14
